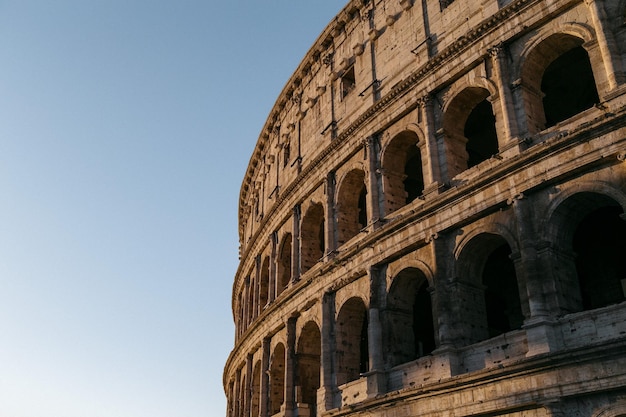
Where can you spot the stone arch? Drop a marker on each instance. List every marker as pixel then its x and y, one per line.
pixel 589 237
pixel 408 317
pixel 351 205
pixel 264 283
pixel 617 409
pixel 277 379
pixel 308 354
pixel 490 293
pixel 351 341
pixel 283 270
pixel 396 268
pixel 403 170
pixel 240 313
pixel 255 390
pixel 312 237
pixel 554 214
pixel 469 127
pixel 557 76
pixel 251 300
pixel 239 403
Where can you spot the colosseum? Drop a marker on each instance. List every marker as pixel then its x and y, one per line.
pixel 432 219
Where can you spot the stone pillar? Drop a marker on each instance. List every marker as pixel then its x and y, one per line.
pixel 608 48
pixel 295 253
pixel 376 377
pixel 247 409
pixel 273 260
pixel 257 288
pixel 501 77
pixel 264 396
pixel 328 378
pixel 237 395
pixel 330 222
pixel 246 306
pixel 290 369
pixel 443 300
pixel 539 317
pixel 375 186
pixel 432 172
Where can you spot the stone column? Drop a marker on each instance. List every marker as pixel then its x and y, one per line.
pixel 330 222
pixel 375 187
pixel 246 307
pixel 295 253
pixel 376 377
pixel 247 409
pixel 501 77
pixel 273 260
pixel 539 317
pixel 257 288
pixel 443 300
pixel 606 42
pixel 328 378
pixel 433 176
pixel 237 395
pixel 264 396
pixel 290 368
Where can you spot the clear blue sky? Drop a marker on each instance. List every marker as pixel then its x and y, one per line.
pixel 125 130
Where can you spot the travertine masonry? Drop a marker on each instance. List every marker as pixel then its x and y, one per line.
pixel 432 220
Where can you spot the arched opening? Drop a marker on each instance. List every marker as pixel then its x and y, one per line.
pixel 251 304
pixel 351 206
pixel 284 264
pixel 256 390
pixel 277 379
pixel 588 265
pixel 264 283
pixel 239 402
pixel 469 126
pixel 312 237
pixel 600 247
pixel 403 179
pixel 502 300
pixel 488 294
pixel 409 318
pixel 480 131
pixel 568 86
pixel 240 323
pixel 351 336
pixel 557 81
pixel 308 367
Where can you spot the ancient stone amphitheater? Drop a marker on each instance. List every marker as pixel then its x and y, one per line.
pixel 431 222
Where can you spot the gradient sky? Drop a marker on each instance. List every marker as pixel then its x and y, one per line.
pixel 125 130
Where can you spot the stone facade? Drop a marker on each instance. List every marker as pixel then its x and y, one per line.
pixel 431 222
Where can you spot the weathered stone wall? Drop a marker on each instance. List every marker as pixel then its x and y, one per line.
pixel 431 221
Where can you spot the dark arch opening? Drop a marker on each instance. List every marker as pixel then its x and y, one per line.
pixel 308 366
pixel 600 245
pixel 469 126
pixel 480 131
pixel 255 401
pixel 502 300
pixel 414 181
pixel 409 318
pixel 423 329
pixel 568 86
pixel 352 341
pixel 312 237
pixel 277 379
pixel 351 209
pixel 264 284
pixel 284 264
pixel 362 208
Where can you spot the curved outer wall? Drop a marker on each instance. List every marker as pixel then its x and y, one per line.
pixel 431 221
